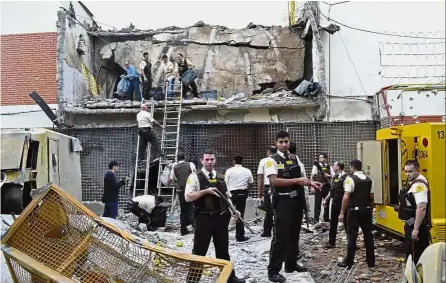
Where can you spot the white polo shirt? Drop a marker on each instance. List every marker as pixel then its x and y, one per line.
pixel 261 171
pixel 238 178
pixel 349 184
pixel 146 202
pixel 315 171
pixel 172 172
pixel 419 190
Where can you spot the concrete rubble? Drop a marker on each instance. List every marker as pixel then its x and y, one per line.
pixel 277 99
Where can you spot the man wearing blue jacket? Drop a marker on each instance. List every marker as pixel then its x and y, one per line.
pixel 111 190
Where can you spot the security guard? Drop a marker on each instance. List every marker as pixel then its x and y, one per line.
pixel 414 210
pixel 322 173
pixel 359 200
pixel 211 214
pixel 336 194
pixel 287 177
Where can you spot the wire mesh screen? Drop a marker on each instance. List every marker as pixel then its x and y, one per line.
pixel 100 145
pixel 61 234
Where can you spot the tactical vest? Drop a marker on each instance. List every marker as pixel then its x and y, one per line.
pixel 182 66
pixel 147 69
pixel 337 190
pixel 208 202
pixel 408 205
pixel 182 171
pixel 361 195
pixel 287 168
pixel 321 170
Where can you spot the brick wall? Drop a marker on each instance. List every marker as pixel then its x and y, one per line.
pixel 28 63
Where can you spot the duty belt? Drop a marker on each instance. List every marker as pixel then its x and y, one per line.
pixel 292 194
pixel 358 207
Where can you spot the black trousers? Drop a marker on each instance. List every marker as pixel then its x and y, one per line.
pixel 193 85
pixel 288 213
pixel 143 216
pixel 416 248
pixel 186 210
pixel 268 221
pixel 239 200
pixel 318 196
pixel 360 218
pixel 146 87
pixel 210 226
pixel 336 205
pixel 146 135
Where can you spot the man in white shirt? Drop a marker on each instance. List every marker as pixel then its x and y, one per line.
pixel 169 74
pixel 146 135
pixel 265 192
pixel 211 214
pixel 181 171
pixel 359 200
pixel 239 181
pixel 145 67
pixel 321 172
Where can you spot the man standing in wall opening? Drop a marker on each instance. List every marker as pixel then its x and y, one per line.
pixel 265 192
pixel 322 173
pixel 146 75
pixel 133 77
pixel 184 65
pixel 169 75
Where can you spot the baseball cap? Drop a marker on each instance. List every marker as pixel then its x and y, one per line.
pixel 113 163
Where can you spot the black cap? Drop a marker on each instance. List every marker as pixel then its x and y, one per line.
pixel 112 164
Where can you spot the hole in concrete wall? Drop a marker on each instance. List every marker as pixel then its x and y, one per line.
pixel 33 150
pixel 26 197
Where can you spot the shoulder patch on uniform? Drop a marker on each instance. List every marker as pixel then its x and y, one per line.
pixel 419 189
pixel 188 181
pixel 347 181
pixel 269 164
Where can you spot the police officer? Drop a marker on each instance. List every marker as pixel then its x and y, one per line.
pixel 336 194
pixel 211 214
pixel 358 199
pixel 180 173
pixel 322 173
pixel 287 177
pixel 414 210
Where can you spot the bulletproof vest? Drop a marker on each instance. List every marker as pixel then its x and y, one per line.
pixel 337 190
pixel 361 195
pixel 182 66
pixel 148 69
pixel 208 202
pixel 321 170
pixel 287 168
pixel 182 171
pixel 408 205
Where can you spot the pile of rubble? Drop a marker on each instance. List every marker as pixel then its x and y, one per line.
pixel 278 98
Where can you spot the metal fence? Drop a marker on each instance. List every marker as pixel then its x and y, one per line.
pixel 101 145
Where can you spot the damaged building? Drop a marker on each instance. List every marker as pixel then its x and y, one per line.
pixel 254 71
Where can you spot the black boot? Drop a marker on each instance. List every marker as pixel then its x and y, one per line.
pixel 276 277
pixel 234 279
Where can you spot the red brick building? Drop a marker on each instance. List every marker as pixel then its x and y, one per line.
pixel 28 63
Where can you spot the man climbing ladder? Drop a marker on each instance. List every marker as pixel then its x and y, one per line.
pixel 146 135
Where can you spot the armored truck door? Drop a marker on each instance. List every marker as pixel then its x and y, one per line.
pixel 370 153
pixel 53 161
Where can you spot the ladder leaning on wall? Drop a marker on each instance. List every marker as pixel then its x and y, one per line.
pixel 170 141
pixel 142 166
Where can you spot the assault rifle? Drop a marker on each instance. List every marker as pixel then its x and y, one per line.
pixel 234 211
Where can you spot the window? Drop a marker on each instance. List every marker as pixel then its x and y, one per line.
pixel 393 173
pixel 33 151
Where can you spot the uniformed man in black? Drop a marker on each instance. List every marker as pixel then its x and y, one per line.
pixel 211 214
pixel 322 173
pixel 287 178
pixel 180 173
pixel 359 200
pixel 414 211
pixel 336 194
pixel 185 64
pixel 146 75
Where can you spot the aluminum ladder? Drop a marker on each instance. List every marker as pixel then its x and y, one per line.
pixel 142 165
pixel 169 142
